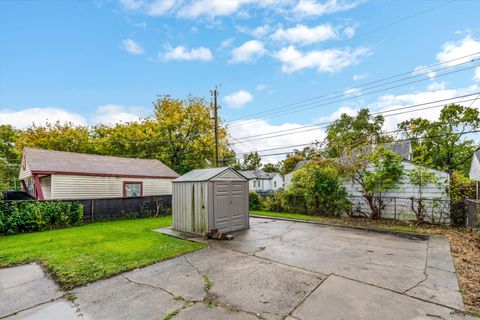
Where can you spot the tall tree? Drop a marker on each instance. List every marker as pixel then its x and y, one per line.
pixel 374 172
pixel 180 134
pixel 271 167
pixel 443 143
pixel 350 132
pixel 251 161
pixel 57 136
pixel 9 158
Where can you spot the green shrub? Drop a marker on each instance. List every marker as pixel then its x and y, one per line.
pixel 30 216
pixel 254 201
pixel 461 188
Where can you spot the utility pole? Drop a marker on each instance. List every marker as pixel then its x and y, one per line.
pixel 215 121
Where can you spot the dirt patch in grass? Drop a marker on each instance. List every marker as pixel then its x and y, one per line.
pixel 465 246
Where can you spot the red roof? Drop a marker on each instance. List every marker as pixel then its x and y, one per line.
pixel 43 161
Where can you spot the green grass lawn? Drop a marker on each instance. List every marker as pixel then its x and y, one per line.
pixel 83 254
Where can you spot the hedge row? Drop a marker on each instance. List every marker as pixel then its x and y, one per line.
pixel 30 216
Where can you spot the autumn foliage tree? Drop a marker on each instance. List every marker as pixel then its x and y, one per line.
pixel 180 134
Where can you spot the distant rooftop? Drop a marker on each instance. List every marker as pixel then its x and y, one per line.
pixel 257 174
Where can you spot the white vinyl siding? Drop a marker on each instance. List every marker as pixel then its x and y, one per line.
pixel 25 173
pixel 46 183
pixel 475 169
pixel 407 190
pixel 88 187
pixel 398 203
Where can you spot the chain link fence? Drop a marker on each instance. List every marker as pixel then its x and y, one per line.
pixel 464 213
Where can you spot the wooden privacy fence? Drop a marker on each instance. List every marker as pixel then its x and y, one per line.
pixel 118 208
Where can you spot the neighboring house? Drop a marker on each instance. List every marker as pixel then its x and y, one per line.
pixel 474 173
pixel 49 174
pixel 288 176
pixel 402 148
pixel 261 181
pixel 406 190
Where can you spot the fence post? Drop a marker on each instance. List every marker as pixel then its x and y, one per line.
pixel 394 209
pixel 92 207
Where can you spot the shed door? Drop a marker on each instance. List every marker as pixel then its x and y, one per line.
pixel 229 206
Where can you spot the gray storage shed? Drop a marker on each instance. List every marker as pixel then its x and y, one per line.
pixel 206 199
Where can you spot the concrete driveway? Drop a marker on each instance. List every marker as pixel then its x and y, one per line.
pixel 276 270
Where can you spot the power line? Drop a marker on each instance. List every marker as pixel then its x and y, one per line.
pixel 375 113
pixel 397 140
pixel 309 105
pixel 324 125
pixel 383 27
pixel 342 91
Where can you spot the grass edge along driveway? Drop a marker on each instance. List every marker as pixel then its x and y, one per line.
pixel 83 254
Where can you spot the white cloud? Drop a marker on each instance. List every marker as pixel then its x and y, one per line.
pixel 261 87
pixel 132 4
pixel 110 114
pixel 435 86
pixel 349 32
pixel 257 32
pixel 227 43
pixel 360 76
pixel 476 77
pixel 255 127
pixel 352 91
pixel 149 7
pixel 329 60
pixel 336 114
pixel 107 114
pixel 425 70
pixel 304 35
pixel 389 102
pixel 247 52
pixel 316 8
pixel 455 50
pixel 132 47
pixel 211 8
pixel 182 53
pixel 160 7
pixel 24 118
pixel 238 99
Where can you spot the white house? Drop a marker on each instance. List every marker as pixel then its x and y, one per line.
pixel 402 205
pixel 49 174
pixel 261 181
pixel 474 173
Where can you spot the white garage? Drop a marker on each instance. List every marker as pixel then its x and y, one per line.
pixel 206 199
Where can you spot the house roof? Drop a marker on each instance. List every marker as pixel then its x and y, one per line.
pixel 42 161
pixel 402 148
pixel 257 174
pixel 204 174
pixel 300 164
pixel 477 154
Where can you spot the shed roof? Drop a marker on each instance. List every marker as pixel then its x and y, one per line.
pixel 60 162
pixel 204 174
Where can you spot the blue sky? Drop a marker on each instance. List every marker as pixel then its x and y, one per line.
pixel 106 60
